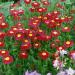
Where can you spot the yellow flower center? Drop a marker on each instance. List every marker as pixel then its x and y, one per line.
pixel 36 44
pixel 68 42
pixel 7 58
pixel 43 53
pixel 39 16
pixel 3 52
pixel 45 18
pixel 25 40
pixel 40 30
pixel 3 24
pixel 52 21
pixel 55 32
pixel 18 35
pixel 65 27
pixel 30 35
pixel 34 23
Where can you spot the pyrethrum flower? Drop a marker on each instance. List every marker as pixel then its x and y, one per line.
pixel 44 55
pixel 7 59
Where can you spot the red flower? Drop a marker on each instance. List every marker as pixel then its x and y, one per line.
pixel 59 6
pixel 27 1
pixel 44 18
pixel 16 17
pixel 35 4
pixel 25 46
pixel 34 24
pixel 48 37
pixel 20 11
pixel 19 24
pixel 42 37
pixel 3 25
pixel 21 30
pixel 46 3
pixel 53 45
pixel 60 48
pixel 56 13
pixel 31 35
pixel 37 45
pixel 2 44
pixel 66 29
pixel 4 53
pixel 40 10
pixel 2 35
pixel 23 55
pixel 62 0
pixel 2 18
pixel 14 12
pixel 34 39
pixel 44 55
pixel 7 59
pixel 40 32
pixel 52 24
pixel 10 33
pixel 26 41
pixel 32 9
pixel 57 41
pixel 55 33
pixel 44 9
pixel 14 28
pixel 19 36
pixel 68 44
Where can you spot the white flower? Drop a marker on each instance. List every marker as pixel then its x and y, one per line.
pixel 31 73
pixel 49 74
pixel 61 73
pixel 56 63
pixel 62 52
pixel 70 71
